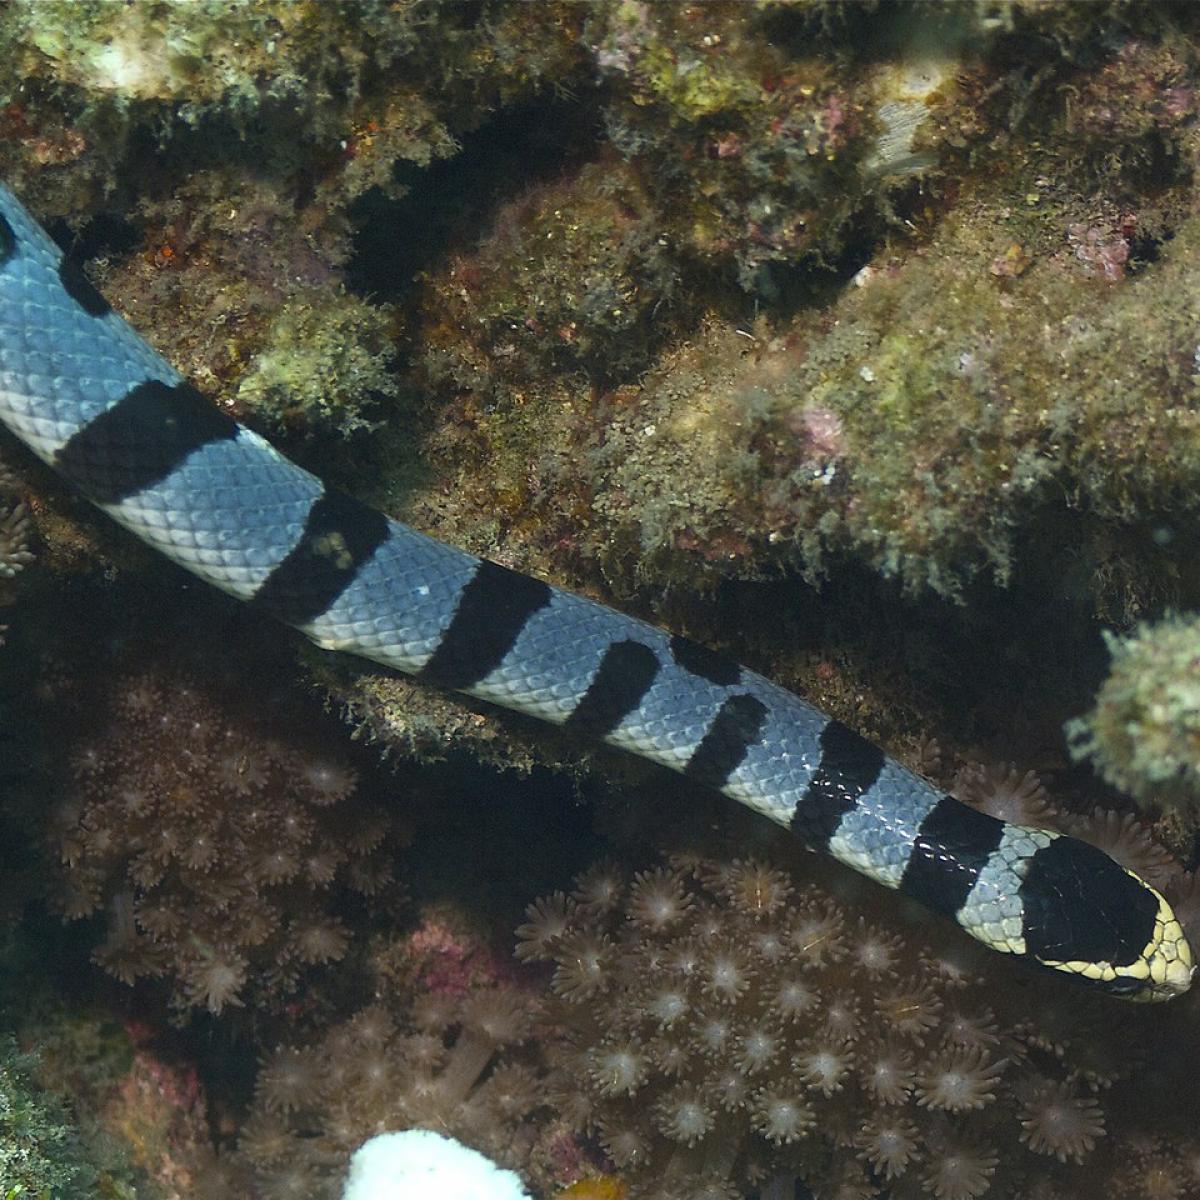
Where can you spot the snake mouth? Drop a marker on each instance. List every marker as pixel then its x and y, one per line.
pixel 1166 966
pixel 1168 957
pixel 1176 980
pixel 1171 966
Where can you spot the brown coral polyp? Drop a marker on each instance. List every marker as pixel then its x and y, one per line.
pixel 959 1079
pixel 213 813
pixel 889 1144
pixel 782 1117
pixel 959 1169
pixel 215 979
pixel 618 1070
pixel 754 888
pixel 825 1065
pixel 583 967
pixel 888 1075
pixel 389 1068
pixel 16 532
pixel 1058 1119
pixel 712 1060
pixel 657 899
pixel 726 974
pixel 289 1080
pixel 546 921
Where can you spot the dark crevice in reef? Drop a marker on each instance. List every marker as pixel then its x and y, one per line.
pixel 1146 248
pixel 450 202
pixel 786 289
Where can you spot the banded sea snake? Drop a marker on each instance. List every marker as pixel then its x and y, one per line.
pixel 111 416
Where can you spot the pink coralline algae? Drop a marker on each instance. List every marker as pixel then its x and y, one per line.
pixel 822 432
pixel 159 1108
pixel 1103 252
pixel 446 962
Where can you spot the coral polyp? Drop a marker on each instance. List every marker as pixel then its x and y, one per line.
pixel 217 832
pixel 713 1065
pixel 385 1068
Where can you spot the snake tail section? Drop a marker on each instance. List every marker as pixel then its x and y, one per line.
pixel 103 409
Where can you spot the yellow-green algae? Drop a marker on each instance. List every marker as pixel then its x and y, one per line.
pixel 919 424
pixel 326 358
pixel 39 1154
pixel 337 90
pixel 1143 734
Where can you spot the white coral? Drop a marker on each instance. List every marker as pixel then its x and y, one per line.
pixel 421 1165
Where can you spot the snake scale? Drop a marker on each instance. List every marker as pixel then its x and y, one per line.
pixel 112 417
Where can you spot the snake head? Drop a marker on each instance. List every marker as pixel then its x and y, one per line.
pixel 1091 918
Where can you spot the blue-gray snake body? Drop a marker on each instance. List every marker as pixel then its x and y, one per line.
pixel 94 401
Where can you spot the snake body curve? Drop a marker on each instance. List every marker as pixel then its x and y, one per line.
pixel 106 412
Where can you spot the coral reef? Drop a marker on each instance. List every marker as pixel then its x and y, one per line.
pixel 123 1095
pixel 901 297
pixel 728 1027
pixel 221 834
pixel 755 140
pixel 249 131
pixel 451 1065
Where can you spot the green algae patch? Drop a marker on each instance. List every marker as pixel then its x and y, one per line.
pixel 41 1154
pixel 325 361
pixel 574 277
pixel 1143 734
pixel 925 421
pixel 36 1147
pixel 334 92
